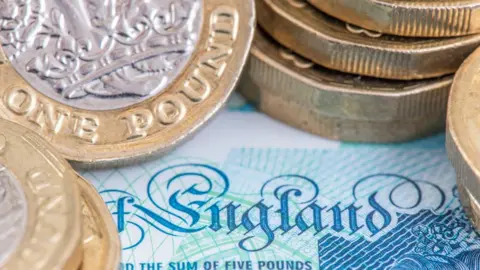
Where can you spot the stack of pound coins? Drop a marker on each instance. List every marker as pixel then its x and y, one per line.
pixel 463 130
pixel 100 84
pixel 51 218
pixel 362 71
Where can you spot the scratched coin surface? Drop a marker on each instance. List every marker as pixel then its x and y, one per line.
pixel 423 18
pixel 40 205
pixel 463 131
pixel 338 105
pixel 111 82
pixel 348 48
pixel 101 243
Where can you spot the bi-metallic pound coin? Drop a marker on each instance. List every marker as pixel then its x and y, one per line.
pixel 40 220
pixel 112 82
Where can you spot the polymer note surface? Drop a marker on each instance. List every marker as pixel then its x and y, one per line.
pixel 251 193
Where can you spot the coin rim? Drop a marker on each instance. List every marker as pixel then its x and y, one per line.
pixel 273 67
pixel 460 147
pixel 469 204
pixel 345 118
pixel 417 10
pixel 360 54
pixel 89 192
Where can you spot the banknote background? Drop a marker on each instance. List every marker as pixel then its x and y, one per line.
pixel 251 193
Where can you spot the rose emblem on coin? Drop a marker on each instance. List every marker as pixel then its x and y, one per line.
pixel 99 54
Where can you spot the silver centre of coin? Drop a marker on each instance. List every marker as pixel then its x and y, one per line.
pixel 100 54
pixel 13 214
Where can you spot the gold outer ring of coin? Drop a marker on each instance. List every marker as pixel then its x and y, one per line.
pixel 463 126
pixel 152 127
pixel 52 239
pixel 338 105
pixel 421 18
pixel 470 204
pixel 336 45
pixel 101 242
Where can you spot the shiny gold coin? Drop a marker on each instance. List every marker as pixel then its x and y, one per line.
pixel 338 105
pixel 463 127
pixel 421 18
pixel 116 91
pixel 101 243
pixel 40 221
pixel 337 45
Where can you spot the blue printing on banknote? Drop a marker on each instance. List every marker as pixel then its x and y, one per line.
pixel 356 207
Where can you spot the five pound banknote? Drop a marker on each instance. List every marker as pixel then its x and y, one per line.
pixel 250 193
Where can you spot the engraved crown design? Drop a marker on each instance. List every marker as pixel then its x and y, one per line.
pixel 104 48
